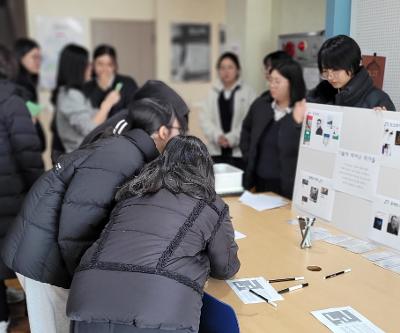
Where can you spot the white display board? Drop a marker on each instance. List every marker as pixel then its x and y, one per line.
pixel 348 171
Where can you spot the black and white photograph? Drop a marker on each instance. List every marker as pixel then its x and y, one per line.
pixel 191 52
pixel 378 223
pixel 314 194
pixel 393 225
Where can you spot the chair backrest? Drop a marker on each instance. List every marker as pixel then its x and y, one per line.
pixel 217 317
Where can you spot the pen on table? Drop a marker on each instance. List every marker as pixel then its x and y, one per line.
pixel 264 298
pixel 295 278
pixel 299 286
pixel 338 273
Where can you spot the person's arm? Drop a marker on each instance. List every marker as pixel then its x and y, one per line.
pixel 233 136
pixel 245 133
pixel 222 250
pixel 24 141
pixel 208 119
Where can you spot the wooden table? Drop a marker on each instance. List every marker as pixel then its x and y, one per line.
pixel 271 249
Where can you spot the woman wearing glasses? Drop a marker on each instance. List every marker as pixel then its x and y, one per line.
pixel 271 132
pixel 345 80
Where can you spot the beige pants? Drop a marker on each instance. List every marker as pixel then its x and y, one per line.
pixel 46 306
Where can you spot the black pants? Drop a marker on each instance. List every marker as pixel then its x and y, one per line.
pixel 83 327
pixel 268 185
pixel 4 312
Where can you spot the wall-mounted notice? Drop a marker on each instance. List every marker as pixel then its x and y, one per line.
pixel 322 130
pixel 390 148
pixel 356 173
pixel 316 195
pixel 385 222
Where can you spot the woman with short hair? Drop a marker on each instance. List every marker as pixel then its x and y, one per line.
pixel 346 82
pixel 167 233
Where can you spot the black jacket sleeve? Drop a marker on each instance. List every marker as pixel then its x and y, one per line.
pixel 245 134
pixel 24 140
pixel 222 250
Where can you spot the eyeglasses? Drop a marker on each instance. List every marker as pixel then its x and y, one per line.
pixel 327 73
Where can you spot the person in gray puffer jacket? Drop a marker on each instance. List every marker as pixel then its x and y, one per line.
pixel 168 232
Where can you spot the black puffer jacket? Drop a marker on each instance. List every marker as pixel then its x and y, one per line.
pixel 149 267
pixel 359 92
pixel 256 122
pixel 66 210
pixel 20 158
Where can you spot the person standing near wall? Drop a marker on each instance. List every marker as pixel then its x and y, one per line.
pixel 227 105
pixel 106 79
pixel 345 80
pixel 20 161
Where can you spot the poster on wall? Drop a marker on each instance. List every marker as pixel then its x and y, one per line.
pixel 375 66
pixel 190 52
pixel 385 222
pixel 390 147
pixel 356 173
pixel 315 195
pixel 53 33
pixel 322 130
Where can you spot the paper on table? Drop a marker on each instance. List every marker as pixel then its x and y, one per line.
pixel 345 320
pixel 379 255
pixel 351 242
pixel 319 233
pixel 262 202
pixel 259 284
pixel 362 248
pixel 335 240
pixel 395 269
pixel 389 262
pixel 239 235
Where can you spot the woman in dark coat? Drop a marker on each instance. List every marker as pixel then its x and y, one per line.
pixel 271 132
pixel 20 161
pixel 67 208
pixel 168 231
pixel 345 81
pixel 106 79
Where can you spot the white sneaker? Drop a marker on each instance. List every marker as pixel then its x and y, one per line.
pixel 14 295
pixel 3 326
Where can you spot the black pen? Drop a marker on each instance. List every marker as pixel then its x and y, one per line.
pixel 299 286
pixel 264 298
pixel 338 273
pixel 295 278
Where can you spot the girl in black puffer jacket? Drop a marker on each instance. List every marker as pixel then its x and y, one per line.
pixel 168 232
pixel 20 161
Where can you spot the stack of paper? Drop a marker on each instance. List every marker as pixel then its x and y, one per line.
pixel 262 202
pixel 239 235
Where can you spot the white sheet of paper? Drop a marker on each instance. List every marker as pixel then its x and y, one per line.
pixel 351 242
pixel 388 263
pixel 390 149
pixel 239 235
pixel 259 284
pixel 362 248
pixel 356 173
pixel 336 240
pixel 395 269
pixel 322 129
pixel 315 195
pixel 319 233
pixel 293 222
pixel 262 202
pixel 379 255
pixel 384 226
pixel 345 320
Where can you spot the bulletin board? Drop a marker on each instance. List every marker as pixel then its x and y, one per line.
pixel 348 171
pixel 375 26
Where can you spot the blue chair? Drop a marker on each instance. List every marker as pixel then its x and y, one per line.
pixel 217 317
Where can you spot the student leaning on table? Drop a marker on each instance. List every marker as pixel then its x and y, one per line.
pixel 67 208
pixel 167 233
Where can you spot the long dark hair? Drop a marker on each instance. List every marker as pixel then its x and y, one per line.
pixel 292 71
pixel 7 64
pixel 185 166
pixel 21 47
pixel 72 65
pixel 105 49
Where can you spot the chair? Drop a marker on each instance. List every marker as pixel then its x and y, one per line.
pixel 217 317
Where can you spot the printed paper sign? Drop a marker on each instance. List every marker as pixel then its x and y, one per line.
pixel 315 195
pixel 385 222
pixel 390 148
pixel 356 173
pixel 322 130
